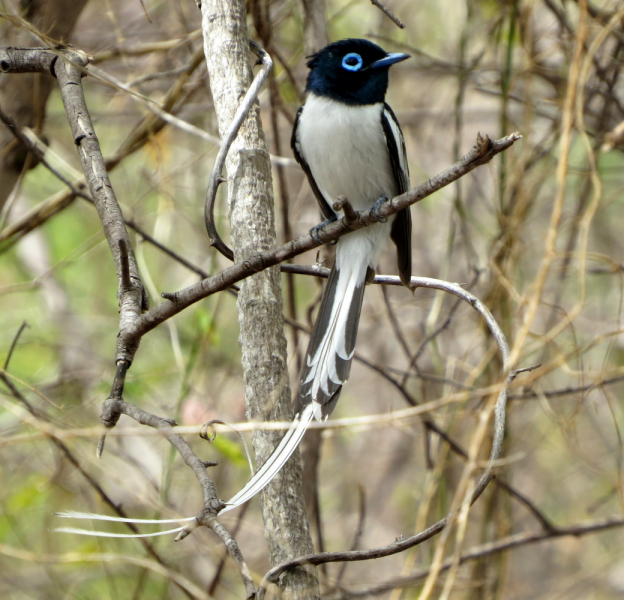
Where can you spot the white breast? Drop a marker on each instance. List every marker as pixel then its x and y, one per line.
pixel 345 148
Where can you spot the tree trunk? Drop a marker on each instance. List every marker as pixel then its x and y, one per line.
pixel 262 339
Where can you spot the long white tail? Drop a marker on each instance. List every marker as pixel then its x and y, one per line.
pixel 328 359
pixel 275 462
pixel 70 514
pixel 326 368
pixel 259 481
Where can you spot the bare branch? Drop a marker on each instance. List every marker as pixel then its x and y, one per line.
pixel 480 154
pixel 212 505
pixel 14 343
pixel 509 543
pixel 514 541
pixel 132 298
pixel 389 14
pixel 216 177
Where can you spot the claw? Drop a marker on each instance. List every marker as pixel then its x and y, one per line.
pixel 316 230
pixel 377 206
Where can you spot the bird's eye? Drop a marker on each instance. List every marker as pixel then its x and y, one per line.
pixel 352 62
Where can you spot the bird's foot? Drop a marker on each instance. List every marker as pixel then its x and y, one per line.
pixel 316 230
pixel 375 208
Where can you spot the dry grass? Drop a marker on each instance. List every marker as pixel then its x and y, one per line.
pixel 534 234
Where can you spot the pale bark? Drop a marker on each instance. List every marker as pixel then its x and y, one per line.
pixel 262 339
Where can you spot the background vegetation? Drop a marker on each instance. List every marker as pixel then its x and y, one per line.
pixel 537 235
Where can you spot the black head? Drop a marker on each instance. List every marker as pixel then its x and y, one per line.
pixel 352 71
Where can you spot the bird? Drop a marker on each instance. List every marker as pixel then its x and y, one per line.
pixel 349 143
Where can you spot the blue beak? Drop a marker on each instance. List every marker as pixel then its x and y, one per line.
pixel 389 60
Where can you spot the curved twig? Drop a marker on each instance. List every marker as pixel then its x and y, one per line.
pixel 499 430
pixel 203 434
pixel 216 177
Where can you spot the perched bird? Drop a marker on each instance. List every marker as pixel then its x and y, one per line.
pixel 349 143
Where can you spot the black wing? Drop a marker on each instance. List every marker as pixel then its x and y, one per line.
pixel 326 209
pixel 402 226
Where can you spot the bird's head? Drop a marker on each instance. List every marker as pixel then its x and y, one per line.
pixel 353 71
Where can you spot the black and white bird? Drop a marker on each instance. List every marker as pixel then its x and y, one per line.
pixel 349 143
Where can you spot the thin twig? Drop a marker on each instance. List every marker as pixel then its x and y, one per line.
pixel 358 532
pixel 170 118
pixel 414 359
pixel 389 14
pixel 216 177
pixel 398 332
pixel 16 337
pixel 514 541
pixel 38 149
pixel 219 570
pixel 544 521
pixel 142 49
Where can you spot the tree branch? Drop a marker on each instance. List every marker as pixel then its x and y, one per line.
pixel 509 543
pixel 480 154
pixel 131 295
pixel 216 177
pixel 389 14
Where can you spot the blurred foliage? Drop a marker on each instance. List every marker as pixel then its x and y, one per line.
pixel 481 66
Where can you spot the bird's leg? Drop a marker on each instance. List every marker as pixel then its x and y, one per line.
pixel 314 232
pixel 375 208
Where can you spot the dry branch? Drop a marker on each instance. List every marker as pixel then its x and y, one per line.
pixel 386 11
pixel 480 154
pixel 509 543
pixel 68 67
pixel 211 503
pixel 216 177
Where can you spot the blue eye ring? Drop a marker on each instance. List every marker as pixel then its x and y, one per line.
pixel 357 66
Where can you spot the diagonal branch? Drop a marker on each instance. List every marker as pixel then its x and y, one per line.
pixel 481 153
pixel 389 14
pixel 513 541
